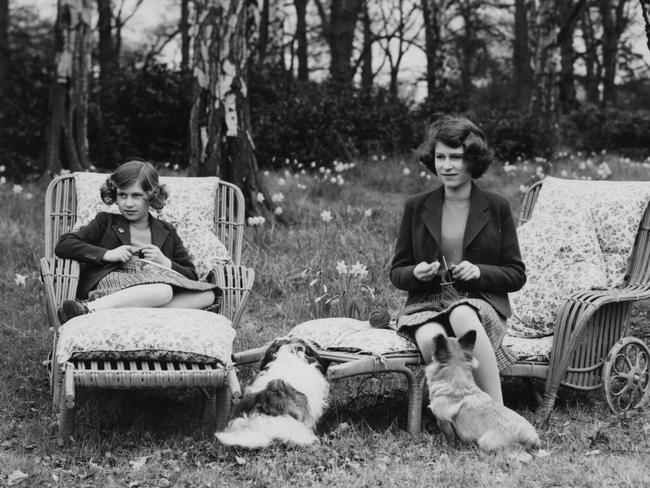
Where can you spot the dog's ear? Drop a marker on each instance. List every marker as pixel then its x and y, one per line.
pixel 440 348
pixel 272 351
pixel 468 340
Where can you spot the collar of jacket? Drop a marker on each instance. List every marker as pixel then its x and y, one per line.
pixel 476 220
pixel 122 230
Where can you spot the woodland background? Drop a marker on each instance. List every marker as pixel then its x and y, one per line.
pixel 317 81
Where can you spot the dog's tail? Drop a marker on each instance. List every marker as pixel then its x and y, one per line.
pixel 256 431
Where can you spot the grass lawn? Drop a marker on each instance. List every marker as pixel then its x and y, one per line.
pixel 154 439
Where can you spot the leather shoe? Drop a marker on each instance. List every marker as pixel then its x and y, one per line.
pixel 70 309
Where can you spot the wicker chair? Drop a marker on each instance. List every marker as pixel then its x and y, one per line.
pixel 61 276
pixel 591 347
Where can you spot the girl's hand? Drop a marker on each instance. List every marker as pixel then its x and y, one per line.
pixel 120 254
pixel 153 253
pixel 465 271
pixel 426 271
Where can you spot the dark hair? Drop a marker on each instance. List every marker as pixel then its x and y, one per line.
pixel 135 171
pixel 456 131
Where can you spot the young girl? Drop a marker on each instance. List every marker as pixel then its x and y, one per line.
pixel 132 259
pixel 457 253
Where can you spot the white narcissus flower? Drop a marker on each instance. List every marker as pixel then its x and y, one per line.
pixel 282 182
pixel 17 189
pixel 278 211
pixel 341 267
pixel 367 213
pixel 260 197
pixel 277 197
pixel 3 180
pixel 259 220
pixel 406 171
pixel 3 168
pixel 326 216
pixel 359 270
pixel 20 279
pixel 29 196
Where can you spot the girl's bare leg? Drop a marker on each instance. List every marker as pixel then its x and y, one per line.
pixel 424 336
pixel 463 319
pixel 152 295
pixel 191 299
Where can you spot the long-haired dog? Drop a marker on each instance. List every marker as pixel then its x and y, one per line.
pixel 466 412
pixel 285 401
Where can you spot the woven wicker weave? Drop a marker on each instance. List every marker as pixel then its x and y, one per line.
pixel 591 333
pixel 61 276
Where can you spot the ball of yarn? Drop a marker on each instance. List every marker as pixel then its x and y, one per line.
pixel 380 319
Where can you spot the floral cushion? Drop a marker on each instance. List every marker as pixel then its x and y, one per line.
pixel 190 209
pixel 163 334
pixel 530 349
pixel 616 209
pixel 562 256
pixel 351 335
pixel 326 332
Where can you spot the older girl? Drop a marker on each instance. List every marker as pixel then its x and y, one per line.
pixel 457 252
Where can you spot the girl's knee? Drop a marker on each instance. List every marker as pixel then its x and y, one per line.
pixel 162 293
pixel 424 337
pixel 464 318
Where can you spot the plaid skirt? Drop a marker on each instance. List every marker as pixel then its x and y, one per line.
pixel 438 309
pixel 142 272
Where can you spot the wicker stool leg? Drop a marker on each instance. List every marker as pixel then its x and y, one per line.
pixel 67 404
pixel 57 387
pixel 209 405
pixel 223 406
pixel 549 402
pixel 416 388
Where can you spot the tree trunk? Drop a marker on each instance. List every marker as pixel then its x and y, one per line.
pixel 220 129
pixel 613 20
pixel 184 28
pixel 4 42
pixel 366 61
pixel 105 48
pixel 542 103
pixel 592 63
pixel 66 133
pixel 343 21
pixel 521 57
pixel 645 6
pixel 301 36
pixel 569 12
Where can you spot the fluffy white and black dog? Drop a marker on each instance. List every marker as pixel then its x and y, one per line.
pixel 285 401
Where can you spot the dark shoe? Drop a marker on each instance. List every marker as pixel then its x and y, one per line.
pixel 70 309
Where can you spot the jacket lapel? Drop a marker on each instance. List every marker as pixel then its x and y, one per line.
pixel 477 218
pixel 432 216
pixel 121 229
pixel 158 232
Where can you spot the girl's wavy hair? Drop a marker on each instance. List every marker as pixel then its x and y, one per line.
pixel 456 131
pixel 135 171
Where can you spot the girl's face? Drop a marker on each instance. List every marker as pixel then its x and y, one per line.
pixel 132 203
pixel 450 166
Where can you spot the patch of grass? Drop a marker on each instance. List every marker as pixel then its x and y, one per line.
pixel 155 438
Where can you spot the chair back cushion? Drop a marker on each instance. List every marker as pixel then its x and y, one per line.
pixel 190 209
pixel 580 237
pixel 161 334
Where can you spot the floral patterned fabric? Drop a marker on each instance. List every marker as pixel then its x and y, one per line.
pixel 579 237
pixel 351 335
pixel 190 209
pixel 562 256
pixel 530 349
pixel 164 334
pixel 616 209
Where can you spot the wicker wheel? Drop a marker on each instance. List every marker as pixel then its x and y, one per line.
pixel 626 374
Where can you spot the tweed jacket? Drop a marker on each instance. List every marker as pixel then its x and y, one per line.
pixel 108 231
pixel 490 242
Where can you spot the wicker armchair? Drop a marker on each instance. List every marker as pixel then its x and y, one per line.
pixel 591 346
pixel 60 277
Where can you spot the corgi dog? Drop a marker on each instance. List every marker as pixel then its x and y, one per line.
pixel 284 403
pixel 466 412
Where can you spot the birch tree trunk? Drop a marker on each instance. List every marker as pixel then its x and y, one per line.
pixel 184 27
pixel 543 99
pixel 66 133
pixel 224 34
pixel 645 7
pixel 301 37
pixel 521 57
pixel 4 42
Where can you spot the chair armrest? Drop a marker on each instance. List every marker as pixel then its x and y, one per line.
pixel 249 356
pixel 236 283
pixel 60 279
